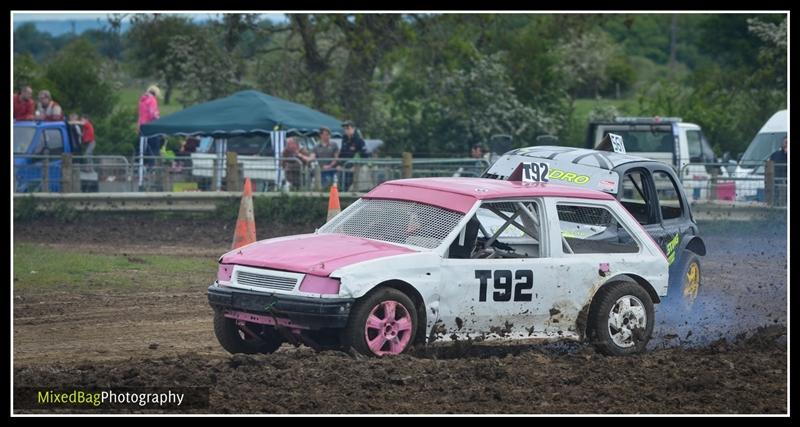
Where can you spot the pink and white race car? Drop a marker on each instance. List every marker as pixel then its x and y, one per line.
pixel 464 258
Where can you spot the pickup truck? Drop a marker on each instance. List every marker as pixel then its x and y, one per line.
pixel 665 139
pixel 35 139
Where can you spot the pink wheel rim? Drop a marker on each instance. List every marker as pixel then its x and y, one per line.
pixel 388 329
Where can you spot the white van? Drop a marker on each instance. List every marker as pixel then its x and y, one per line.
pixel 750 169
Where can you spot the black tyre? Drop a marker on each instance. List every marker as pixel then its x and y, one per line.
pixel 684 283
pixel 254 339
pixel 383 322
pixel 621 319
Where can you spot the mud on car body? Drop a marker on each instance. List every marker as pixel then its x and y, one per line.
pixel 419 259
pixel 650 190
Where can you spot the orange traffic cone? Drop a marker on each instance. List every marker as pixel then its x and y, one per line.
pixel 246 223
pixel 333 202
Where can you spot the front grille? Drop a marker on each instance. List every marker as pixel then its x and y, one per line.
pixel 265 281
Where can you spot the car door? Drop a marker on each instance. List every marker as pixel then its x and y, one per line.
pixel 671 211
pixel 602 247
pixel 493 291
pixel 639 196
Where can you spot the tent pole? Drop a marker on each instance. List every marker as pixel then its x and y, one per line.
pixel 142 142
pixel 221 149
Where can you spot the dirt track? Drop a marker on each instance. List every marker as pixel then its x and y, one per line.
pixel 108 338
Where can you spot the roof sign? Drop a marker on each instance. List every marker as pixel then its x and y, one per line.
pixel 535 172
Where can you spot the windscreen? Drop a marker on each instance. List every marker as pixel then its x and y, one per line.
pixel 642 138
pixel 763 145
pixel 395 221
pixel 23 136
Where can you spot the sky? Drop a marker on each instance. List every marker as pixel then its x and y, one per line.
pixel 67 16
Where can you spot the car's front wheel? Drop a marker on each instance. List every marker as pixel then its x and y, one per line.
pixel 382 323
pixel 246 338
pixel 621 320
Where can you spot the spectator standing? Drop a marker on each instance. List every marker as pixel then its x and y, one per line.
pixel 327 155
pixel 76 127
pixel 289 163
pixel 24 106
pixel 48 109
pixel 780 159
pixel 88 140
pixel 148 111
pixel 353 147
pixel 477 151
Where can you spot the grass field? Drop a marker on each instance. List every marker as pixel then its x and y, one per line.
pixel 41 267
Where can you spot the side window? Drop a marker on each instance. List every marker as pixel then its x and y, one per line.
pixel 668 195
pixel 500 230
pixel 634 195
pixel 593 230
pixel 693 138
pixel 53 142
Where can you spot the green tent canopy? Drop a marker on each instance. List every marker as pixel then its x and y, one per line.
pixel 245 112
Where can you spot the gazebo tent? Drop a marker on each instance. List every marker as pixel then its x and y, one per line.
pixel 245 112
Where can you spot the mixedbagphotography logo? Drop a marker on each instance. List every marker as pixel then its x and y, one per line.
pixel 138 398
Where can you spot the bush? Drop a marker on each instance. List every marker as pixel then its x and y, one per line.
pixel 63 212
pixel 284 209
pixel 25 208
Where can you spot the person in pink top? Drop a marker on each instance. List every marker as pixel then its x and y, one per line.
pixel 148 105
pixel 148 111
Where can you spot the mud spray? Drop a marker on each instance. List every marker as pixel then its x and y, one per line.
pixel 744 287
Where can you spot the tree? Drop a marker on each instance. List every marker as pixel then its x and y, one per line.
pixel 79 84
pixel 367 38
pixel 149 40
pixel 207 70
pixel 584 62
pixel 454 109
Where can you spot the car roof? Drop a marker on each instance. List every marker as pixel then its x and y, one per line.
pixel 581 156
pixel 776 123
pixel 460 194
pixel 31 123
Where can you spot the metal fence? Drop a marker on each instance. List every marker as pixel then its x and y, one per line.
pixel 209 172
pixel 760 183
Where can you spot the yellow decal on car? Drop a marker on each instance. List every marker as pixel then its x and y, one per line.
pixel 671 245
pixel 574 178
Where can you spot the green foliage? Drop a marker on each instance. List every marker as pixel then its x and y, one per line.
pixel 729 103
pixel 433 83
pixel 283 209
pixel 79 83
pixel 63 212
pixel 148 41
pixel 25 208
pixel 116 134
pixel 39 45
pixel 28 72
pixel 203 78
pixel 453 110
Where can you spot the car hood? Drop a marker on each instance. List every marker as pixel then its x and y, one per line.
pixel 317 254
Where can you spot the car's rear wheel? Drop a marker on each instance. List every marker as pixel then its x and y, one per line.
pixel 621 319
pixel 244 338
pixel 382 323
pixel 684 282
